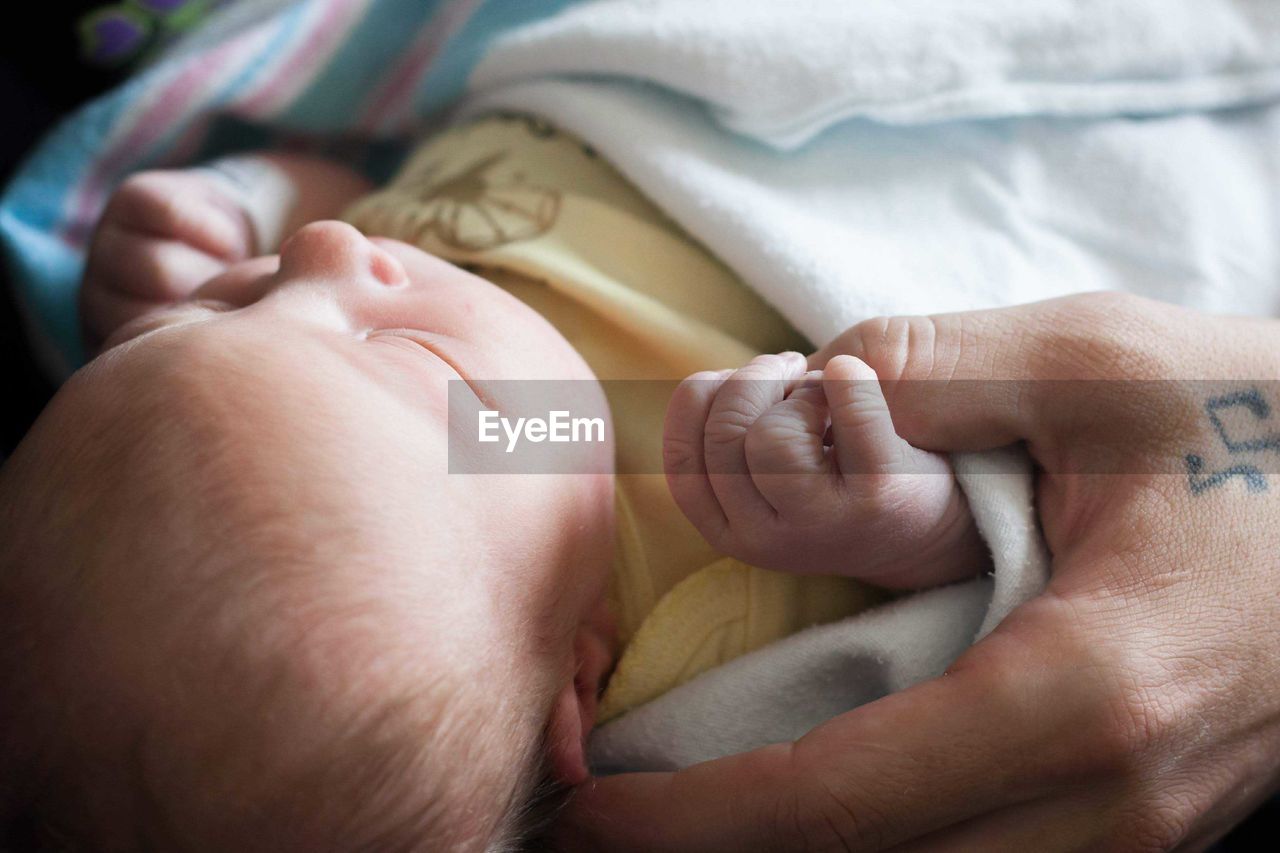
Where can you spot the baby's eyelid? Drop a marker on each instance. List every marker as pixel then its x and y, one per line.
pixel 194 306
pixel 173 315
pixel 219 305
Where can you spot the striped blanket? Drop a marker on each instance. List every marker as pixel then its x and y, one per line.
pixel 356 77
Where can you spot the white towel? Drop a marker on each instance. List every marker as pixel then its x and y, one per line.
pixel 849 160
pixel 782 73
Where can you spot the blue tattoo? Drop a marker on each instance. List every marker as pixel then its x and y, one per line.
pixel 1257 406
pixel 1195 466
pixel 1198 480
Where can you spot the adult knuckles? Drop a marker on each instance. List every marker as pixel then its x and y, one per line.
pixel 1162 681
pixel 896 347
pixel 1105 335
pixel 824 818
pixel 1162 822
pixel 1148 821
pixel 847 823
pixel 1093 335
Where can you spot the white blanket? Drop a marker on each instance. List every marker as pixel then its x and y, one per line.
pixel 904 156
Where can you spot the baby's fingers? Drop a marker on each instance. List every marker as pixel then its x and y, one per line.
pixel 130 274
pixel 745 396
pixel 147 268
pixel 185 206
pixel 786 450
pixel 682 451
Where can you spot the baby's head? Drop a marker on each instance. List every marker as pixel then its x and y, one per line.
pixel 246 605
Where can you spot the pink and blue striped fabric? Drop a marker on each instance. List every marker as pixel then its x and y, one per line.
pixel 355 77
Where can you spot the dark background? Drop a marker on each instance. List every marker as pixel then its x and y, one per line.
pixel 42 79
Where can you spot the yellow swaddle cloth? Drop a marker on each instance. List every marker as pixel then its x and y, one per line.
pixel 543 216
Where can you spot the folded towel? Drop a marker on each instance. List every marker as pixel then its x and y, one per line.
pixel 783 73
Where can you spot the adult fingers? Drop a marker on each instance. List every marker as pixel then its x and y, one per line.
pixel 982 379
pixel 1002 729
pixel 1074 820
pixel 881 782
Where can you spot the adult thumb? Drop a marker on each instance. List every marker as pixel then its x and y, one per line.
pixel 973 380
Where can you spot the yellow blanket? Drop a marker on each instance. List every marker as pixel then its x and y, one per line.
pixel 541 214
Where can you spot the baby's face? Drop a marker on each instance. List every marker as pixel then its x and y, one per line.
pixel 326 375
pixel 348 344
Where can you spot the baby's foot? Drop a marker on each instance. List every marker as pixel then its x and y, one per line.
pixel 802 471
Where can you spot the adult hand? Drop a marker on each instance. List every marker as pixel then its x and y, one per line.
pixel 1135 705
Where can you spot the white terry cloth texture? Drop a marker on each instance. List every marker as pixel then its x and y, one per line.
pixel 889 157
pixel 784 72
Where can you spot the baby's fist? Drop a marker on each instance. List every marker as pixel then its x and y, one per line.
pixel 162 235
pixel 802 471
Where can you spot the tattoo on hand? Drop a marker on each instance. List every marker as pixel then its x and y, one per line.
pixel 1198 479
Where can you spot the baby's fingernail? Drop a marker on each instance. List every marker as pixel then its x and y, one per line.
pixel 794 357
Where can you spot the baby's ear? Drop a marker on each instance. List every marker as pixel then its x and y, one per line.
pixel 574 713
pixel 567 735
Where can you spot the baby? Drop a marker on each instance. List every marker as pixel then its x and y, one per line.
pixel 280 622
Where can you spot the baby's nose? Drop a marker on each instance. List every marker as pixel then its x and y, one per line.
pixel 337 250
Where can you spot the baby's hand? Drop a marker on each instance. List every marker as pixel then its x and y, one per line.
pixel 162 235
pixel 803 472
